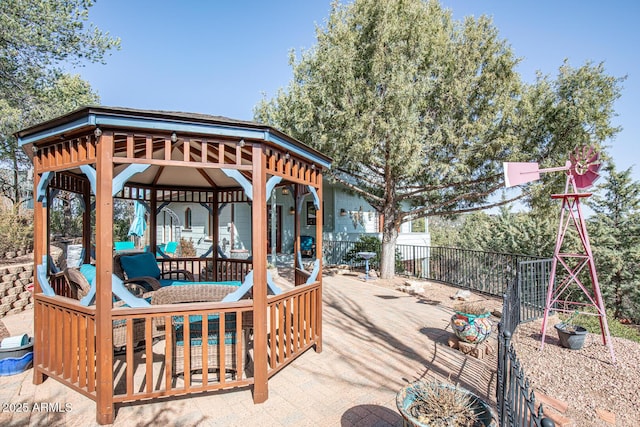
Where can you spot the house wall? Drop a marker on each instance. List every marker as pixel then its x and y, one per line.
pixel 350 216
pixel 346 218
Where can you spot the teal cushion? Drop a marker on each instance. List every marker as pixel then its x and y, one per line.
pixel 88 271
pixel 195 329
pixel 138 265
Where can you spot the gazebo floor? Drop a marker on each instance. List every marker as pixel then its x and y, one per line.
pixel 375 339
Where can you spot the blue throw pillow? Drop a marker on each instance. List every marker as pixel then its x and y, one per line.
pixel 138 265
pixel 88 271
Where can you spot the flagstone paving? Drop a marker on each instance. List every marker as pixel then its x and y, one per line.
pixel 375 340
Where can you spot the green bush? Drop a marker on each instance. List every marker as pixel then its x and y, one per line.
pixel 16 230
pixel 616 329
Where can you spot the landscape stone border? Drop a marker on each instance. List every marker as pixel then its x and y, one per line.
pixel 16 287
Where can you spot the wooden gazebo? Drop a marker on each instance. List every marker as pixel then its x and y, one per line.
pixel 158 157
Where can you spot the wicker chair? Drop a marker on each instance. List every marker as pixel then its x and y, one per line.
pixel 151 281
pixel 80 287
pixel 201 293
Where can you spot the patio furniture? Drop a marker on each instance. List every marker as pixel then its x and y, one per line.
pixel 202 293
pixel 142 268
pixel 167 250
pixel 123 246
pixel 80 280
pixel 307 246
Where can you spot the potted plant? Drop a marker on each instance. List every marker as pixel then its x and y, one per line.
pixel 571 336
pixel 438 404
pixel 471 322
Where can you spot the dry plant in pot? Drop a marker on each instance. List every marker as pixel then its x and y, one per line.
pixel 442 405
pixel 471 322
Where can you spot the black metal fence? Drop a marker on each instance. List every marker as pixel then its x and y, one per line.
pixel 514 396
pixel 486 272
pixel 521 280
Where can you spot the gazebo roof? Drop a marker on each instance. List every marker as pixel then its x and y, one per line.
pixel 196 126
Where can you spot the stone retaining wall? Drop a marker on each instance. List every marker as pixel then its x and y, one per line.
pixel 16 288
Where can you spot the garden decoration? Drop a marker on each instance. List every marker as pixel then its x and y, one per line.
pixel 571 336
pixel 471 323
pixel 442 405
pixel 582 171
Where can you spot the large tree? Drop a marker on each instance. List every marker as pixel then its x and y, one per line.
pixel 37 39
pixel 419 111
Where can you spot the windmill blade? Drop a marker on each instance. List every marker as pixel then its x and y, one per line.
pixel 586 180
pixel 516 173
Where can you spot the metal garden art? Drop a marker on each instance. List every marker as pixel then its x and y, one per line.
pixel 582 171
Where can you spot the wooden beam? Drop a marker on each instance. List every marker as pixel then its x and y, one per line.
pixel 259 237
pixel 318 307
pixel 39 250
pixel 104 265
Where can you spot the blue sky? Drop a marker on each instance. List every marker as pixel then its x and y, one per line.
pixel 219 57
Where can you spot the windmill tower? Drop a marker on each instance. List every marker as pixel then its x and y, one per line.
pixel 582 172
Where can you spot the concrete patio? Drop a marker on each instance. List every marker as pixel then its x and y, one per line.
pixel 375 340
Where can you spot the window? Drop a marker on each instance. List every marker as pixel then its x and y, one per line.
pixel 418 225
pixel 187 218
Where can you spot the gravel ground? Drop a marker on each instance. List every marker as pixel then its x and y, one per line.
pixel 585 379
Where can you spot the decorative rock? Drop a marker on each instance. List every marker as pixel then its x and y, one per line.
pixel 14 291
pixel 10 255
pixel 19 303
pixel 4 286
pixel 9 299
pixel 23 282
pixel 9 277
pixel 19 253
pixel 474 350
pixel 15 311
pixel 25 274
pixel 462 295
pixel 373 273
pixel 30 305
pixel 16 269
pixel 25 295
pixel 28 267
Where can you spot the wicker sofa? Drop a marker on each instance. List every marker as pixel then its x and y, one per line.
pixel 79 284
pixel 232 337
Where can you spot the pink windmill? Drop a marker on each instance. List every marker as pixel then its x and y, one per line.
pixel 582 172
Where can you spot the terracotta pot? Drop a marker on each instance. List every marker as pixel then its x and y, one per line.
pixel 471 328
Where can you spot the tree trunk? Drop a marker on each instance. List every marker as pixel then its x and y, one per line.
pixel 389 237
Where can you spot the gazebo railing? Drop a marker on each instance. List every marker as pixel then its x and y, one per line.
pixel 293 324
pixel 150 372
pixel 144 367
pixel 66 352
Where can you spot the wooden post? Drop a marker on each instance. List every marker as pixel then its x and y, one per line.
pixel 153 221
pixel 86 222
pixel 104 265
pixel 319 217
pixel 39 244
pixel 215 236
pixel 259 237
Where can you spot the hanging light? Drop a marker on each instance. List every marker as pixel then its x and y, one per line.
pixel 285 191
